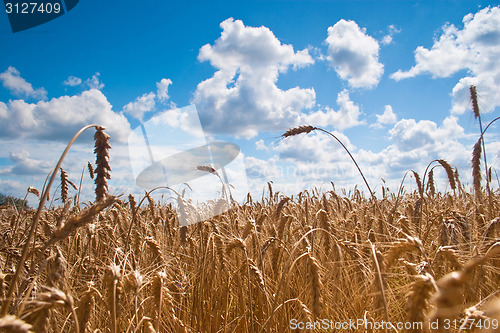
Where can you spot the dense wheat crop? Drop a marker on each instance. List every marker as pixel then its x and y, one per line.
pixel 274 264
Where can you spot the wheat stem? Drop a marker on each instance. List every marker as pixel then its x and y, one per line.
pixel 8 296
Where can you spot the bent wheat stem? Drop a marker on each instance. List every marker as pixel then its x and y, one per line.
pixel 31 234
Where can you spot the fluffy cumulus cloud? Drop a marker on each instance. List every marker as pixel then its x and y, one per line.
pixel 60 118
pixel 264 170
pixel 12 80
pixel 141 105
pixel 388 39
pixel 242 97
pixel 416 143
pixel 162 89
pixel 261 145
pixel 35 133
pixel 24 165
pixel 386 118
pixel 354 54
pixel 72 81
pixel 475 48
pixel 346 117
pixel 316 147
pixel 95 82
pixel 315 159
pixel 409 134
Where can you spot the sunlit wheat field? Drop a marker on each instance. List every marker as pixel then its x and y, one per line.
pixel 250 166
pixel 315 261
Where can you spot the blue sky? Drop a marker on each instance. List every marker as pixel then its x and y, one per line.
pixel 390 78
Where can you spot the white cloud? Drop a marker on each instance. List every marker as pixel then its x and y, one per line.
pixel 3 110
pixel 446 57
pixel 185 119
pixel 386 118
pixel 140 106
pixel 388 39
pixel 162 89
pixel 95 82
pixel 262 169
pixel 32 159
pixel 260 145
pixel 316 147
pixel 12 80
pixel 242 97
pixel 354 54
pixel 417 143
pixel 24 165
pixel 347 116
pixel 409 134
pixel 475 48
pixel 12 187
pixel 315 159
pixel 72 81
pixel 60 118
pixel 147 102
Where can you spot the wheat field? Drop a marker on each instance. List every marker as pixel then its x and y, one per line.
pixel 316 261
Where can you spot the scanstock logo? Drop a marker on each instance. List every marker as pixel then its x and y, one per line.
pixel 26 14
pixel 205 177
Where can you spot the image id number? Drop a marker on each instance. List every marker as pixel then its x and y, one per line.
pixel 32 7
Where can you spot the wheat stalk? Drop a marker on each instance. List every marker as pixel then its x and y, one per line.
pixel 34 225
pixel 448 300
pixel 308 129
pixel 84 217
pixel 380 280
pixel 113 285
pixel 314 285
pixel 34 191
pixel 477 115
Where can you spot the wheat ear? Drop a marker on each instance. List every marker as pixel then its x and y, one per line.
pixel 430 184
pixel 102 160
pixel 449 172
pixel 85 307
pixel 477 115
pixel 449 297
pixel 419 183
pixel 476 168
pixel 13 324
pixel 417 299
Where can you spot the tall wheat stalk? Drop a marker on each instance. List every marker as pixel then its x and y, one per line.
pixel 477 115
pixel 307 129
